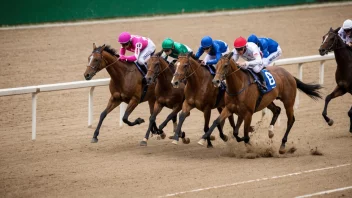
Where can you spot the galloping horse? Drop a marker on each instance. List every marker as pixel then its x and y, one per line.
pixel 199 93
pixel 166 96
pixel 125 84
pixel 343 75
pixel 242 95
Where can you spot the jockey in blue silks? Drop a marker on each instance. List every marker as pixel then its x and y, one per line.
pixel 214 49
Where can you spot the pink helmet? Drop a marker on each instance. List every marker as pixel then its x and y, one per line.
pixel 124 37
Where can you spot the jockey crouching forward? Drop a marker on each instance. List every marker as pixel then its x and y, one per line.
pixel 214 49
pixel 141 46
pixel 251 53
pixel 173 49
pixel 270 48
pixel 345 32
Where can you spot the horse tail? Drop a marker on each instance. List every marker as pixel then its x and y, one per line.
pixel 312 90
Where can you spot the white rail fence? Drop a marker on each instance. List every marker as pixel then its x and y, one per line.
pixel 35 90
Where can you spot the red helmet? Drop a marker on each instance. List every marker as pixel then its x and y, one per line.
pixel 240 42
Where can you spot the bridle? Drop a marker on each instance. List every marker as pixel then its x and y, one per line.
pixel 224 74
pixel 333 45
pixel 95 68
pixel 156 74
pixel 188 64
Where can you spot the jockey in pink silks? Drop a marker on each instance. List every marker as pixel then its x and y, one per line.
pixel 141 46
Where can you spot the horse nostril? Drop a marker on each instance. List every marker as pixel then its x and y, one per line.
pixel 176 83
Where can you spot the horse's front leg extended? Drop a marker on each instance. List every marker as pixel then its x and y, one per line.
pixel 336 93
pixel 186 108
pixel 225 113
pixel 157 108
pixel 131 106
pixel 113 103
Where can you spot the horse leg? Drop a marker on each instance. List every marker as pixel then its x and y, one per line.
pixel 225 113
pixel 174 123
pixel 237 128
pixel 113 103
pixel 173 116
pixel 221 126
pixel 336 93
pixel 157 108
pixel 290 121
pixel 350 115
pixel 207 114
pixel 186 108
pixel 247 126
pixel 276 112
pixel 154 128
pixel 130 107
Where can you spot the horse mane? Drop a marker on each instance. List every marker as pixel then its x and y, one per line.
pixel 337 30
pixel 108 49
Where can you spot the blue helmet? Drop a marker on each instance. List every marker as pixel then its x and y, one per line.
pixel 253 38
pixel 207 41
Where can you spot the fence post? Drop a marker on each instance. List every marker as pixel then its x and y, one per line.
pixel 90 107
pixel 321 72
pixel 34 115
pixel 123 107
pixel 300 77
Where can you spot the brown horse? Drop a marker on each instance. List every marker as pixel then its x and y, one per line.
pixel 125 84
pixel 166 96
pixel 242 95
pixel 343 75
pixel 199 93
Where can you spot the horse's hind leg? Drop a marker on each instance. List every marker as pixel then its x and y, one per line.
pixel 113 103
pixel 157 108
pixel 131 106
pixel 290 121
pixel 276 112
pixel 336 93
pixel 350 115
pixel 151 104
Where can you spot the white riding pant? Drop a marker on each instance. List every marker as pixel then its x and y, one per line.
pixel 209 57
pixel 272 57
pixel 146 52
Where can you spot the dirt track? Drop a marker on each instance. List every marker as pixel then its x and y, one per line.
pixel 63 163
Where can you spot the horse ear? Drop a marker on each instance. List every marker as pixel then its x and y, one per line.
pixel 94 46
pixel 189 54
pixel 159 53
pixel 102 48
pixel 229 56
pixel 331 30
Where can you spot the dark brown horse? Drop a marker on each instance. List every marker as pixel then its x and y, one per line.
pixel 343 75
pixel 161 73
pixel 242 95
pixel 125 84
pixel 199 93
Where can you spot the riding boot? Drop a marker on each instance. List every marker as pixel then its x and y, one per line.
pixel 263 84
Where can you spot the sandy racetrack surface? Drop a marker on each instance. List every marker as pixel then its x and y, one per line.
pixel 63 163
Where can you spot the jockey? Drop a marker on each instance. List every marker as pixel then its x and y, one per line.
pixel 270 48
pixel 214 49
pixel 173 49
pixel 251 53
pixel 141 46
pixel 345 32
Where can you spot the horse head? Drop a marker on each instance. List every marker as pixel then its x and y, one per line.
pixel 96 61
pixel 153 68
pixel 182 69
pixel 329 42
pixel 222 69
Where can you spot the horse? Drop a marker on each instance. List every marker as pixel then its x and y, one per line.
pixel 161 73
pixel 199 93
pixel 242 97
pixel 343 74
pixel 125 84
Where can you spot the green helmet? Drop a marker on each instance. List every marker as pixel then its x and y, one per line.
pixel 167 43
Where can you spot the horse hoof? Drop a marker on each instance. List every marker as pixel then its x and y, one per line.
pixel 140 120
pixel 163 135
pixel 94 140
pixel 271 131
pixel 331 122
pixel 143 143
pixel 212 138
pixel 282 150
pixel 201 142
pixel 175 142
pixel 171 137
pixel 225 138
pixel 210 146
pixel 238 139
pixel 186 140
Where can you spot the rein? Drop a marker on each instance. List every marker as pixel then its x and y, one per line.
pixel 331 48
pixel 183 79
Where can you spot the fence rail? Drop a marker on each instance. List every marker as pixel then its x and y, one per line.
pixel 34 90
